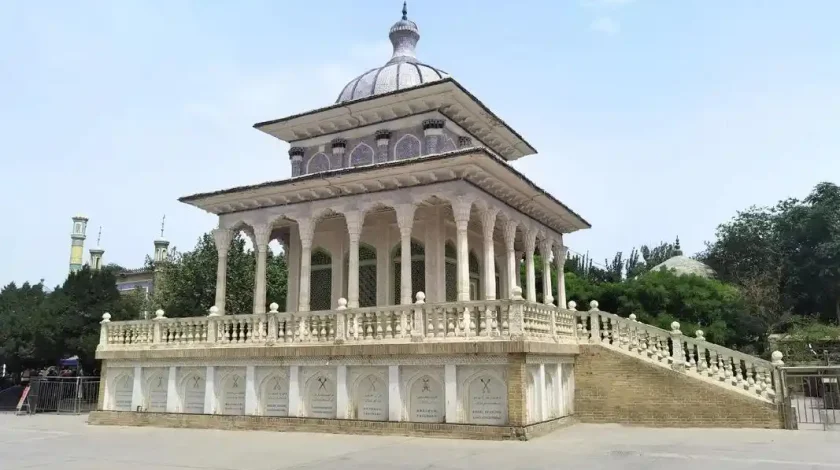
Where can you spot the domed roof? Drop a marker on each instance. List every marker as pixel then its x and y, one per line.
pixel 684 265
pixel 402 71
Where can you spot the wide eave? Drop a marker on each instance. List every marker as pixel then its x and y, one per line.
pixel 446 96
pixel 477 166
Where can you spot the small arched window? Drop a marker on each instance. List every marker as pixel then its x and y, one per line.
pixel 318 163
pixel 362 154
pixel 407 147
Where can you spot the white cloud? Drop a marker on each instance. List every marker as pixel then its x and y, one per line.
pixel 606 25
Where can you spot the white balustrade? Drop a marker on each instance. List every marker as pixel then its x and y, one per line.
pixel 693 356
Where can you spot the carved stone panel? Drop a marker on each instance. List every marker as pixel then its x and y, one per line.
pixel 426 400
pixel 319 394
pixel 275 396
pixel 156 389
pixel 192 388
pixel 483 395
pixel 123 389
pixel 232 394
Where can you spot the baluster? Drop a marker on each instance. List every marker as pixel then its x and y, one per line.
pixel 430 328
pixel 738 378
pixel 727 368
pixel 750 385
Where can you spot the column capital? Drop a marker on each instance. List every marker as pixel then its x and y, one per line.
pixel 354 220
pixel 488 221
pixel 531 240
pixel 560 253
pixel 262 235
pixel 306 228
pixel 546 246
pixel 510 233
pixel 461 206
pixel 222 237
pixel 405 216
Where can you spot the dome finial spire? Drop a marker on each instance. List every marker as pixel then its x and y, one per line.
pixel 405 10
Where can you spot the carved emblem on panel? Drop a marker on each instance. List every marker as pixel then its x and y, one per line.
pixel 424 395
pixel 191 387
pixel 483 396
pixel 369 393
pixel 156 387
pixel 230 391
pixel 273 393
pixel 123 387
pixel 319 393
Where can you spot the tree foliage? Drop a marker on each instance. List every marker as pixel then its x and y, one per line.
pixel 786 258
pixel 186 283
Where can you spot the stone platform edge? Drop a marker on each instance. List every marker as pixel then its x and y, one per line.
pixel 330 426
pixel 293 350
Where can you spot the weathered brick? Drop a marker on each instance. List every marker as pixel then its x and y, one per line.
pixel 611 387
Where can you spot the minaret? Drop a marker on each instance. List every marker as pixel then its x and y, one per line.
pixel 96 253
pixel 161 245
pixel 77 242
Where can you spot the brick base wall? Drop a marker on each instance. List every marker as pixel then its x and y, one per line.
pixel 611 387
pixel 334 426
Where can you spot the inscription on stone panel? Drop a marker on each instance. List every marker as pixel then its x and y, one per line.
pixel 157 394
pixel 373 399
pixel 488 397
pixel 233 396
pixel 276 397
pixel 321 397
pixel 122 393
pixel 194 394
pixel 425 401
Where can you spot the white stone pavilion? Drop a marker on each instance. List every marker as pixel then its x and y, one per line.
pixel 405 227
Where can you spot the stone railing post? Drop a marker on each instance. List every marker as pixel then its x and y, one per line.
pixel 103 330
pixel 159 315
pixel 341 321
pixel 594 323
pixel 572 305
pixel 272 322
pixel 419 325
pixel 677 354
pixel 777 363
pixel 212 325
pixel 516 316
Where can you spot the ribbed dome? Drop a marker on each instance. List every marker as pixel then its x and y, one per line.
pixel 402 71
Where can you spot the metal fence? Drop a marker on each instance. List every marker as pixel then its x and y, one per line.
pixel 811 397
pixel 63 395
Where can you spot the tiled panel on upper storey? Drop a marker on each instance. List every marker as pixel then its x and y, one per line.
pixel 394 140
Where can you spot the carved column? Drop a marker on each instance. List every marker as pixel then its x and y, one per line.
pixel 512 265
pixel 530 275
pixel 383 138
pixel 338 147
pixel 405 221
pixel 560 261
pixel 461 209
pixel 296 156
pixel 354 221
pixel 261 238
pixel 432 130
pixel 488 224
pixel 222 237
pixel 545 251
pixel 306 227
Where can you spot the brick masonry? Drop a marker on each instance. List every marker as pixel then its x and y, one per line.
pixel 613 388
pixel 334 426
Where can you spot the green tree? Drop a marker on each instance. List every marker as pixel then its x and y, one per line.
pixel 186 284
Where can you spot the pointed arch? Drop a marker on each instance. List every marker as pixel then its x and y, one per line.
pixel 362 154
pixel 367 275
pixel 320 291
pixel 418 268
pixel 317 163
pixel 407 147
pixel 191 391
pixel 448 145
pixel 450 274
pixel 156 388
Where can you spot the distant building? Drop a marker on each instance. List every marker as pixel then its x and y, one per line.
pixel 683 265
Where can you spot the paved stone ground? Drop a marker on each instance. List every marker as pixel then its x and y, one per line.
pixel 68 443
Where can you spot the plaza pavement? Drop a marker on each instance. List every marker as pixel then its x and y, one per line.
pixel 68 443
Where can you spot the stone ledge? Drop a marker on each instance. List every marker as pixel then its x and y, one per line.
pixel 334 350
pixel 332 426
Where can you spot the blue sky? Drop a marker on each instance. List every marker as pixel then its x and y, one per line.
pixel 653 118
